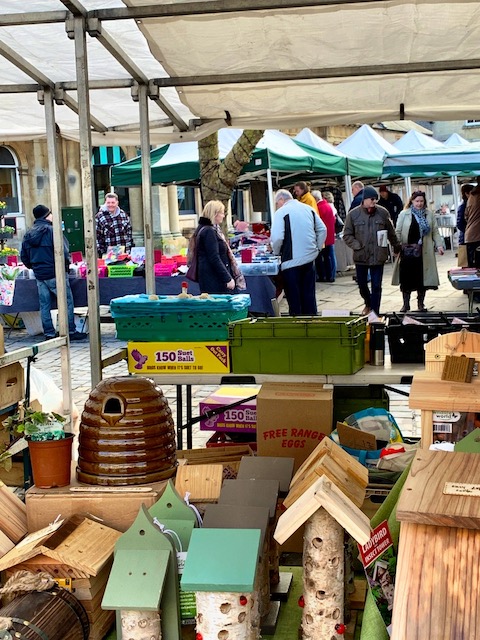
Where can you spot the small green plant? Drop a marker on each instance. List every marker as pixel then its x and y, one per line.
pixel 35 425
pixel 6 230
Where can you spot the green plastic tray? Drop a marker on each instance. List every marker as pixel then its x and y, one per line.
pixel 298 345
pixel 178 327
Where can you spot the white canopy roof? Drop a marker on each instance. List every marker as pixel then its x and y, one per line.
pixel 307 136
pixel 367 144
pixel 456 140
pixel 247 63
pixel 414 140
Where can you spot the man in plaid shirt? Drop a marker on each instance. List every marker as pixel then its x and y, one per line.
pixel 113 226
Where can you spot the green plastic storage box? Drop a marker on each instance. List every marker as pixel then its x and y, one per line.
pixel 313 345
pixel 173 319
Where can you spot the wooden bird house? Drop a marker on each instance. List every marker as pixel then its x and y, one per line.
pixel 439 514
pixel 325 494
pixel 76 552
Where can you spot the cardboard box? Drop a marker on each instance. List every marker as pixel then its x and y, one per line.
pixel 178 357
pixel 12 389
pixel 241 418
pixel 116 507
pixel 293 418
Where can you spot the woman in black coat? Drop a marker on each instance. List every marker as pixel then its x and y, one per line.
pixel 215 271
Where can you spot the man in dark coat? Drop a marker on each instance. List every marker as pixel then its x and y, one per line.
pixel 391 201
pixel 37 253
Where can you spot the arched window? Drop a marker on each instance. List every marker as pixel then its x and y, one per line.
pixel 9 181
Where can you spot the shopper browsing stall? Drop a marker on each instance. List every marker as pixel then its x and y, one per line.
pixel 416 267
pixel 217 270
pixel 37 253
pixel 368 229
pixel 297 236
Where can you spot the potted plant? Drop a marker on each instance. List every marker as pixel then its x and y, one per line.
pixel 6 232
pixel 49 446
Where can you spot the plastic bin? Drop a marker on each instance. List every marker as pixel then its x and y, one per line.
pixel 348 399
pixel 313 345
pixel 172 319
pixel 121 270
pixel 407 342
pixel 259 268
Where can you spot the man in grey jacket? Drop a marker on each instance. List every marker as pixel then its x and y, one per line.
pixel 367 229
pixel 297 236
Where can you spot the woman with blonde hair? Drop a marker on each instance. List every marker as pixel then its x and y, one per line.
pixel 217 270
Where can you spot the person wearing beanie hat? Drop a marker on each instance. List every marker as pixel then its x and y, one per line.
pixel 37 253
pixel 368 229
pixel 391 201
pixel 369 192
pixel 40 211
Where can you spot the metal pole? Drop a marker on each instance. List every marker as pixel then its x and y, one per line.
pixel 456 200
pixel 87 197
pixel 408 187
pixel 270 194
pixel 348 190
pixel 60 274
pixel 146 188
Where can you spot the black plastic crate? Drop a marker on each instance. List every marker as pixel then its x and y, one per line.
pixel 407 342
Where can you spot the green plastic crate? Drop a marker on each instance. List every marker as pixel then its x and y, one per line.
pixel 298 345
pixel 121 270
pixel 178 327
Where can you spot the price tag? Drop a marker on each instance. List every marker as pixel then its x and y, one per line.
pixel 461 489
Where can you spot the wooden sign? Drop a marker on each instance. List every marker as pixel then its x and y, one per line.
pixel 458 368
pixel 355 438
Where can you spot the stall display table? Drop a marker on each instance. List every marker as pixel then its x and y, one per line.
pixel 260 288
pixel 466 280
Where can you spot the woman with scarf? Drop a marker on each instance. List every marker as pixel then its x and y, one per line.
pixel 416 266
pixel 217 269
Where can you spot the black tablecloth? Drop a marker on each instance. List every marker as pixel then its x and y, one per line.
pixel 260 288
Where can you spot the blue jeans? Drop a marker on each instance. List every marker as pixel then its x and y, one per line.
pixel 299 285
pixel 372 298
pixel 45 290
pixel 326 264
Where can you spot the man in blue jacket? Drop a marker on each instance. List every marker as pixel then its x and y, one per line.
pixel 37 253
pixel 297 236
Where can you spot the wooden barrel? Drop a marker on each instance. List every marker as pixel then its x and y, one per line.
pixel 47 615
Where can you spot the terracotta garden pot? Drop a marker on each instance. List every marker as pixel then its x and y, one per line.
pixel 51 462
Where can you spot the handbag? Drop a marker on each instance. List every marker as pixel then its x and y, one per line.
pixel 411 251
pixel 339 224
pixel 192 257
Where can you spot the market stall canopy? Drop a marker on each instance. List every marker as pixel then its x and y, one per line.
pixel 416 141
pixel 367 147
pixel 178 163
pixel 456 140
pixel 247 63
pixel 450 161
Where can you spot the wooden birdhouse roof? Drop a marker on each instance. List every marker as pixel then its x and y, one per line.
pixel 79 542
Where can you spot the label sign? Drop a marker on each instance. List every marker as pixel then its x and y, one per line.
pixel 461 489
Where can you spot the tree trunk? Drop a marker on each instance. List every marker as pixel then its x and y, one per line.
pixel 224 615
pixel 323 577
pixel 218 179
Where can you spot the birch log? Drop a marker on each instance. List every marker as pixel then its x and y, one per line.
pixel 141 625
pixel 323 577
pixel 224 616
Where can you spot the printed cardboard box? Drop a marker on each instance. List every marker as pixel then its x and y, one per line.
pixel 178 357
pixel 293 418
pixel 241 418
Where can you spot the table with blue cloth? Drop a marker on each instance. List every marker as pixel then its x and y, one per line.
pixel 260 288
